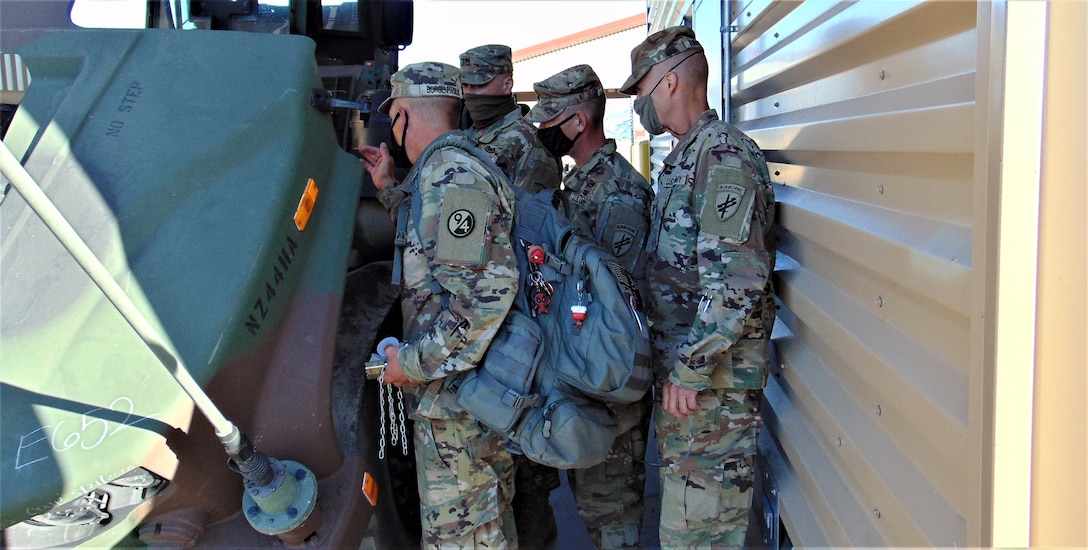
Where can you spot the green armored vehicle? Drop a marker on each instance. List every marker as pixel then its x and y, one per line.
pixel 192 272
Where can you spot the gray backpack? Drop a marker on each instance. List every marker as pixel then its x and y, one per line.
pixel 574 340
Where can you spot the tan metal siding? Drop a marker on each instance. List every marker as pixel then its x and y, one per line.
pixel 866 113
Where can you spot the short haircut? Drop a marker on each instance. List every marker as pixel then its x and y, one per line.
pixel 694 69
pixel 595 109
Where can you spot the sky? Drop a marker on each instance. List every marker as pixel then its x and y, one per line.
pixel 445 28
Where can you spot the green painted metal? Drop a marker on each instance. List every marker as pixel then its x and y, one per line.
pixel 180 159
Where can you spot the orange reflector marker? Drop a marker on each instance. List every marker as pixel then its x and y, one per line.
pixel 370 489
pixel 306 205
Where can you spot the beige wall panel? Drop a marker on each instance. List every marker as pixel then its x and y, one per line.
pixel 820 39
pixel 866 112
pixel 931 185
pixel 894 80
pixel 928 259
pixel 892 380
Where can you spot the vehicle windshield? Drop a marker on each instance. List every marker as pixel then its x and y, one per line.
pixel 272 15
pixel 110 14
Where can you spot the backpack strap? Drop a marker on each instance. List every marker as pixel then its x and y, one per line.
pixel 400 242
pixel 510 398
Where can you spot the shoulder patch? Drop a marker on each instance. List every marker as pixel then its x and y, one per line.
pixel 727 207
pixel 628 227
pixel 623 238
pixel 462 226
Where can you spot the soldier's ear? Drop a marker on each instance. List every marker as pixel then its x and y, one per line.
pixel 507 84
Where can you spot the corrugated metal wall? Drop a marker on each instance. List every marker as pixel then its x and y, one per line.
pixel 865 111
pixel 867 114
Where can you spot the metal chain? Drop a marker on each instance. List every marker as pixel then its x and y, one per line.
pixel 392 416
pixel 381 415
pixel 394 435
pixel 397 424
pixel 403 430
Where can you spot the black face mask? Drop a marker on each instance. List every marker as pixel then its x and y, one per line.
pixel 486 109
pixel 555 141
pixel 400 154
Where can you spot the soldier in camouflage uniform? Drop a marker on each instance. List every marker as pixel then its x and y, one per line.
pixel 511 141
pixel 497 123
pixel 610 202
pixel 460 277
pixel 712 251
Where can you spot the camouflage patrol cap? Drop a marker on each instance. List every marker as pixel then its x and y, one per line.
pixel 427 79
pixel 656 48
pixel 572 86
pixel 483 63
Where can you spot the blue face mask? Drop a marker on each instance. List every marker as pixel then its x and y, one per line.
pixel 647 114
pixel 644 106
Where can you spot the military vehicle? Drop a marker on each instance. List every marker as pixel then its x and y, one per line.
pixel 192 272
pixel 929 388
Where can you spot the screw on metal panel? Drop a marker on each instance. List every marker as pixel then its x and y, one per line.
pixel 876 512
pixel 253 511
pixel 300 474
pixel 880 189
pixel 879 301
pixel 878 411
pixel 776 35
pixel 292 512
pixel 838 442
pixel 776 104
pixel 882 74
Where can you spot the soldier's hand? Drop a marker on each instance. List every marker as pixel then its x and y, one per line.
pixel 394 375
pixel 379 163
pixel 678 401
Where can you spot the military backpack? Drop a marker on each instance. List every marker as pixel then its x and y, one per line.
pixel 574 340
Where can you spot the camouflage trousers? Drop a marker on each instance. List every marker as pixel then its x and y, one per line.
pixel 706 494
pixel 466 482
pixel 610 495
